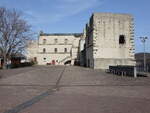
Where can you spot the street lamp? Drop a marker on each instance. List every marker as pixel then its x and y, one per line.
pixel 143 40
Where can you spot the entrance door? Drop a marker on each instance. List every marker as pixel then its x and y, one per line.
pixel 53 62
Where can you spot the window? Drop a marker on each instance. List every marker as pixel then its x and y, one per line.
pixel 55 50
pixel 44 59
pixel 121 39
pixel 44 50
pixel 35 59
pixel 65 50
pixel 56 41
pixel 104 29
pixel 66 41
pixel 44 41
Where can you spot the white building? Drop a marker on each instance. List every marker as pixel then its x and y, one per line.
pixel 108 39
pixel 57 49
pixel 32 50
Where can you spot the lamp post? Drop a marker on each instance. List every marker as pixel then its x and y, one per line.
pixel 143 40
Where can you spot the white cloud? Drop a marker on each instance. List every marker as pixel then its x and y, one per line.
pixel 46 11
pixel 72 7
pixel 62 9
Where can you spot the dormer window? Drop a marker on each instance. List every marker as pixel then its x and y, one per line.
pixel 56 41
pixel 44 41
pixel 66 41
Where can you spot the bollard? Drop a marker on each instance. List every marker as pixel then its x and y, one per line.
pixel 135 72
pixel 125 74
pixel 122 73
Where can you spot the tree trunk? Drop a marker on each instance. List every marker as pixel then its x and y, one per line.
pixel 4 61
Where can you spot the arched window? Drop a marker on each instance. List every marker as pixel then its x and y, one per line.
pixel 65 50
pixel 122 39
pixel 44 41
pixel 44 50
pixel 55 50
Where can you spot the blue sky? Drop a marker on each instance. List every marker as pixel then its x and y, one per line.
pixel 67 16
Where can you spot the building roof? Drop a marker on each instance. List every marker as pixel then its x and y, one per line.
pixel 61 34
pixel 112 14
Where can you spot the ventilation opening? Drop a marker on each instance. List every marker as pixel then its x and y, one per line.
pixel 121 39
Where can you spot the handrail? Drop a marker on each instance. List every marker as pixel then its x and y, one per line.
pixel 64 59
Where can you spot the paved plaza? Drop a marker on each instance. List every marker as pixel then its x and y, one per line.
pixel 70 89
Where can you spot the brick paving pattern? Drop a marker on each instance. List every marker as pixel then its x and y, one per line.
pixel 81 90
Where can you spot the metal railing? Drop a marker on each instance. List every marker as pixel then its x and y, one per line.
pixel 123 70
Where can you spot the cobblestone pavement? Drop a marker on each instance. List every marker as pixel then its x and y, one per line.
pixel 60 89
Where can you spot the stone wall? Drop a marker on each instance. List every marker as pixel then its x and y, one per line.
pixel 32 50
pixel 111 37
pixel 51 42
pixel 109 40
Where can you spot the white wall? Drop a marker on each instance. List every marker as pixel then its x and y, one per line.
pixel 72 46
pixel 32 50
pixel 108 29
pixel 103 34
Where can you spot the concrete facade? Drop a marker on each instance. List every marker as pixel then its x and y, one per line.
pixel 32 50
pixel 108 39
pixel 56 49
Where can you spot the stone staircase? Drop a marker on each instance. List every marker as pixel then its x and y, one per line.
pixel 64 60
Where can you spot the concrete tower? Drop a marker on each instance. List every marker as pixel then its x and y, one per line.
pixel 109 40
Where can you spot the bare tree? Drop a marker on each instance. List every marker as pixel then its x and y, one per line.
pixel 14 33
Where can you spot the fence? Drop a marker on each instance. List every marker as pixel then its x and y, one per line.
pixel 140 68
pixel 122 70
